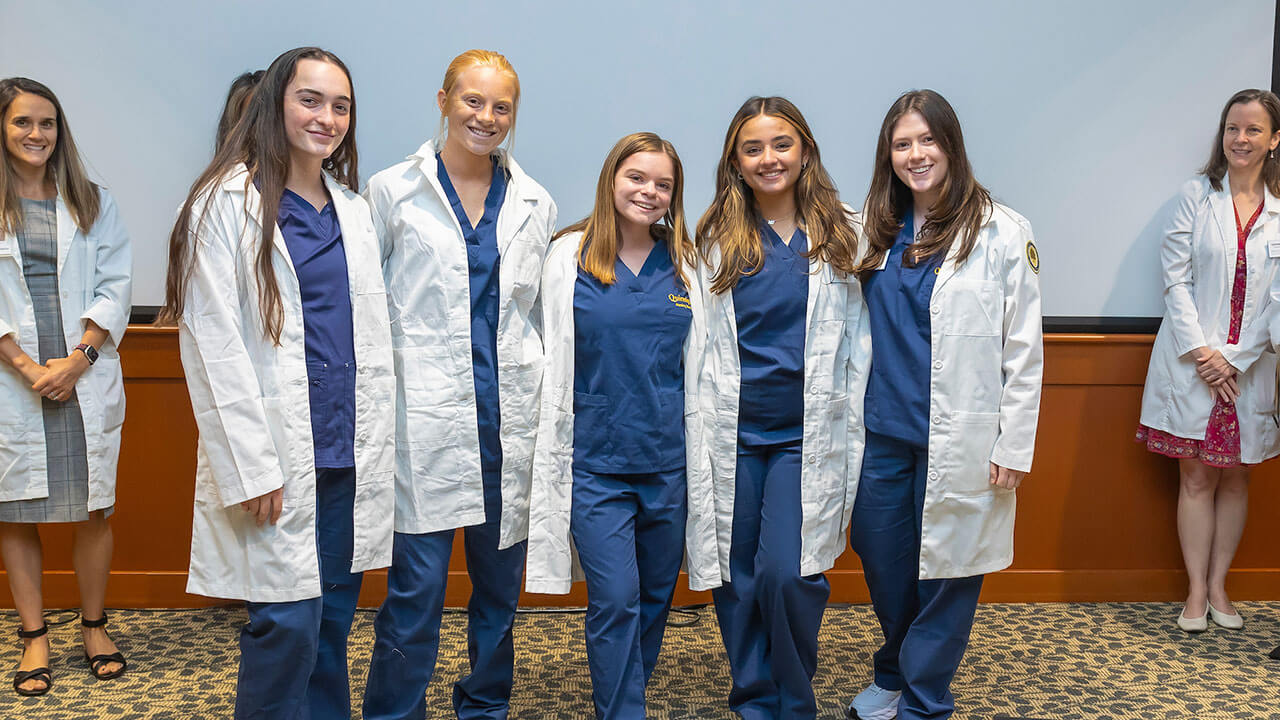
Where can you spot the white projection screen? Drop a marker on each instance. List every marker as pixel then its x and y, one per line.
pixel 1084 116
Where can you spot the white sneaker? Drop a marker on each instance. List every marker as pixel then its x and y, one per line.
pixel 874 703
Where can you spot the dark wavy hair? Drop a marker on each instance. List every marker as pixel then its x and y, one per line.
pixel 258 141
pixel 237 101
pixel 964 203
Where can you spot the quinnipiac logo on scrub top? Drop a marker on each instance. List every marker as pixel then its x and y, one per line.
pixel 679 300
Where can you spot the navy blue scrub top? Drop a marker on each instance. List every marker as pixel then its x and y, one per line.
pixel 482 265
pixel 770 307
pixel 628 379
pixel 314 240
pixel 898 298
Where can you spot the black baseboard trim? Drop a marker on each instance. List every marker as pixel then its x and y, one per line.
pixel 1107 325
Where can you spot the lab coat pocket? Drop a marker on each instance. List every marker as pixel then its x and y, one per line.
pixel 525 258
pixel 110 386
pixel 431 403
pixel 967 461
pixel 278 425
pixel 973 307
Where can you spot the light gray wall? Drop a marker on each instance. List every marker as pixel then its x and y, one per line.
pixel 1084 116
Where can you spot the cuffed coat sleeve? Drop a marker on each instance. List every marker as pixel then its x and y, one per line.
pixel 229 408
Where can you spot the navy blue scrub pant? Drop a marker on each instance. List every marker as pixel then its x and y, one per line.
pixel 769 613
pixel 629 533
pixel 926 623
pixel 407 626
pixel 293 655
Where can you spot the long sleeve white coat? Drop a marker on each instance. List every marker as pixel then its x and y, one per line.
pixel 94 283
pixel 253 407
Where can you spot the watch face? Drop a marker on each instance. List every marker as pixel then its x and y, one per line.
pixel 89 351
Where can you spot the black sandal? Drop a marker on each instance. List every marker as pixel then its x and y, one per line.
pixel 98 661
pixel 41 673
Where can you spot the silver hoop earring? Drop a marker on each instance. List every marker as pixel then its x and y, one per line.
pixel 739 174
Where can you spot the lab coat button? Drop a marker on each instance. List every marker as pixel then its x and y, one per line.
pixel 813 459
pixel 933 474
pixel 937 419
pixel 936 309
pixel 937 365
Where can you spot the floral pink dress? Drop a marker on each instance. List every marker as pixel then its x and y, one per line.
pixel 1221 445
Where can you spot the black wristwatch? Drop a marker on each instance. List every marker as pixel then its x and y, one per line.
pixel 90 352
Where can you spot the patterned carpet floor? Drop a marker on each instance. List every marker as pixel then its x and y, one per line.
pixel 1050 661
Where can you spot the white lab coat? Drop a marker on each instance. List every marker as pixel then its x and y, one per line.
pixel 987 358
pixel 424 258
pixel 837 357
pixel 1199 259
pixel 94 283
pixel 253 408
pixel 552 563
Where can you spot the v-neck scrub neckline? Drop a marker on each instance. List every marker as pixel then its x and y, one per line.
pixel 770 307
pixel 483 274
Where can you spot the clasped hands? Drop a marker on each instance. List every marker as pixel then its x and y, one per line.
pixel 1217 373
pixel 56 379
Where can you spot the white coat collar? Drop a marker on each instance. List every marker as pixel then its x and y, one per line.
pixel 517 205
pixel 238 183
pixel 66 231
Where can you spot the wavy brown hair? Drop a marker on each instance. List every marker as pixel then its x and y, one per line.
pixel 258 141
pixel 732 223
pixel 962 207
pixel 1216 168
pixel 601 232
pixel 237 100
pixel 64 169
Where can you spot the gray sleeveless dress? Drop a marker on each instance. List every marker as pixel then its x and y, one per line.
pixel 68 499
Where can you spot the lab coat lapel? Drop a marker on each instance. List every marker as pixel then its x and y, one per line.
pixel 1225 214
pixel 516 206
pixel 66 233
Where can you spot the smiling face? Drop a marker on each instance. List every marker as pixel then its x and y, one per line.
pixel 769 155
pixel 1247 136
pixel 317 110
pixel 30 132
pixel 480 109
pixel 642 188
pixel 917 159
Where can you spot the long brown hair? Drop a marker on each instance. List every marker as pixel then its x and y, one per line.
pixel 962 207
pixel 601 232
pixel 732 223
pixel 257 141
pixel 64 169
pixel 237 100
pixel 1216 168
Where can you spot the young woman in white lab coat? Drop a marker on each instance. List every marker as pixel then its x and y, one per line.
pixel 1209 399
pixel 463 231
pixel 275 285
pixel 619 470
pixel 786 351
pixel 65 269
pixel 950 281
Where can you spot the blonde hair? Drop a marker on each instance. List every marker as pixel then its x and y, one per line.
pixel 480 58
pixel 732 223
pixel 601 233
